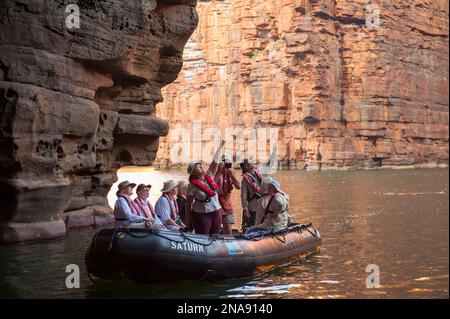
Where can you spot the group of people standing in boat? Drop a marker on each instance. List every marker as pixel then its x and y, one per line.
pixel 204 204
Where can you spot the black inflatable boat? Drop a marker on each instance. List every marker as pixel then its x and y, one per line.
pixel 144 255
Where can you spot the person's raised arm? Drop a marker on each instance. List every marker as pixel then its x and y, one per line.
pixel 215 162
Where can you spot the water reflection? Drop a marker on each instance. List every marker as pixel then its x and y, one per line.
pixel 395 219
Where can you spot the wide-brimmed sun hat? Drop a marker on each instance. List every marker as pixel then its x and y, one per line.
pixel 272 181
pixel 125 184
pixel 265 183
pixel 168 186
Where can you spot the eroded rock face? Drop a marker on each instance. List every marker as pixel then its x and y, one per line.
pixel 342 92
pixel 77 104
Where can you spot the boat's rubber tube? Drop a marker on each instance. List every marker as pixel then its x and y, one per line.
pixel 157 256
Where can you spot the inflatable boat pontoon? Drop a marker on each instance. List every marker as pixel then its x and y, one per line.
pixel 145 255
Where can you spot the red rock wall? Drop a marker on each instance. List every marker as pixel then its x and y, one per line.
pixel 342 92
pixel 77 104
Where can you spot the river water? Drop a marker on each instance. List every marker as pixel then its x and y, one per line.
pixel 395 219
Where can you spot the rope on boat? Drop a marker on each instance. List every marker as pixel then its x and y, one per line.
pixel 314 234
pixel 171 239
pixel 138 237
pixel 281 235
pixel 150 232
pixel 283 239
pixel 256 237
pixel 213 239
pixel 315 229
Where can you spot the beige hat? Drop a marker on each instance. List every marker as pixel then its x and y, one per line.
pixel 124 184
pixel 273 182
pixel 265 183
pixel 168 186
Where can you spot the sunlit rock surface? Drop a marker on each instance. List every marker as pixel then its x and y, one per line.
pixel 77 104
pixel 343 93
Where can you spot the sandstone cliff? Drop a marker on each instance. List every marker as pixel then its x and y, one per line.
pixel 344 88
pixel 77 104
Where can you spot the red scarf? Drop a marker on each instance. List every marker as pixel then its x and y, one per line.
pixel 143 207
pixel 253 182
pixel 210 189
pixel 131 205
pixel 173 207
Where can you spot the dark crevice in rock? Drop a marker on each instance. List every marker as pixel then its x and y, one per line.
pixel 304 54
pixel 8 100
pixel 373 140
pixel 3 71
pixel 351 20
pixel 322 15
pixel 169 51
pixel 445 36
pixel 125 80
pixel 125 157
pixel 290 72
pixel 310 120
pixel 9 199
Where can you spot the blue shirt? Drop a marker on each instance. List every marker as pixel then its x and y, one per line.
pixel 162 208
pixel 123 211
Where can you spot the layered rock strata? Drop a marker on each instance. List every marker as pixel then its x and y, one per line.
pixel 76 104
pixel 348 84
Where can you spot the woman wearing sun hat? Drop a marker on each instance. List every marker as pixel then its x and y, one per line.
pixel 125 211
pixel 203 210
